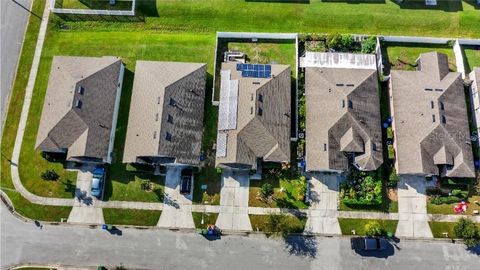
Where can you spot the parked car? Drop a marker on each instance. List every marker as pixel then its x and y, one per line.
pixel 186 181
pixel 368 243
pixel 98 181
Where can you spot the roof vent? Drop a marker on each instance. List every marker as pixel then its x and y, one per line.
pixel 168 136
pixel 81 90
pixel 428 89
pixel 339 84
pixel 170 119
pixel 438 89
pixel 255 82
pixel 78 104
pixel 350 85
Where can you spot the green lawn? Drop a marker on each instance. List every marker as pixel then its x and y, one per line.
pixel 208 218
pixel 288 191
pixel 211 178
pixel 390 206
pixel 472 58
pixel 131 217
pixel 349 224
pixel 96 4
pixel 438 228
pixel 404 57
pixel 447 209
pixel 317 16
pixel 297 224
pixel 267 52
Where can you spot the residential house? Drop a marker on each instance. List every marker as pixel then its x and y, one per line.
pixel 254 122
pixel 165 123
pixel 430 122
pixel 80 110
pixel 343 126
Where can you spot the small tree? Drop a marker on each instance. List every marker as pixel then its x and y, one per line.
pixel 277 225
pixel 373 228
pixel 50 175
pixel 468 231
pixel 266 191
pixel 146 185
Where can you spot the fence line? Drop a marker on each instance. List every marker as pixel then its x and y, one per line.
pixel 93 11
pixel 457 50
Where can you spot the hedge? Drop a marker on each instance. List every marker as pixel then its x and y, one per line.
pixel 389 133
pixel 391 152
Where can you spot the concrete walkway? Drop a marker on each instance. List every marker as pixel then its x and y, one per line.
pixel 234 201
pixel 323 210
pixel 85 209
pixel 177 209
pixel 412 208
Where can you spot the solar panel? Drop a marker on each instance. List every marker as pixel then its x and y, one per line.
pixel 239 67
pixel 268 67
pixel 256 67
pixel 255 70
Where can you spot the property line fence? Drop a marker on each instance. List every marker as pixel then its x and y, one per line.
pixel 105 12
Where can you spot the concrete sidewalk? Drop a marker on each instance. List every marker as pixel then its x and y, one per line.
pixel 323 209
pixel 234 201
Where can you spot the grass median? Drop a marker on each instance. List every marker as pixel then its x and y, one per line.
pixel 117 216
pixel 347 225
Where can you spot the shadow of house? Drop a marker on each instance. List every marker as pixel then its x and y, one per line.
pixel 474 3
pixel 445 5
pixel 147 8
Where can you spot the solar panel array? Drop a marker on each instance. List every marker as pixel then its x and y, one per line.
pixel 255 70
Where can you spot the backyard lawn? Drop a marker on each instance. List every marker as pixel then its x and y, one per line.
pixel 404 57
pixel 349 224
pixel 472 58
pixel 209 177
pixel 134 217
pixel 208 218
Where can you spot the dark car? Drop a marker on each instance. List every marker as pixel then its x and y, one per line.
pixel 186 181
pixel 368 243
pixel 98 181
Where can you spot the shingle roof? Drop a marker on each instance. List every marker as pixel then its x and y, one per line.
pixel 265 136
pixel 342 115
pixel 167 98
pixel 76 120
pixel 430 120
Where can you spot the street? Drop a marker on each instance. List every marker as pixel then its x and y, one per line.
pixel 13 23
pixel 163 249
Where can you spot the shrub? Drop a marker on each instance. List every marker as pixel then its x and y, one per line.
pixel 393 178
pixel 468 231
pixel 277 224
pixel 391 152
pixel 373 228
pixel 369 45
pixel 390 133
pixel 339 42
pixel 50 175
pixel 266 191
pixel 437 200
pixel 146 185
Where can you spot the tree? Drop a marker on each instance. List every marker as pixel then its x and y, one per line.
pixel 373 228
pixel 50 175
pixel 468 231
pixel 277 225
pixel 146 185
pixel 266 191
pixel 369 44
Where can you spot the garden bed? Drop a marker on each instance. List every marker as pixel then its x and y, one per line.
pixel 289 189
pixel 349 224
pixel 117 216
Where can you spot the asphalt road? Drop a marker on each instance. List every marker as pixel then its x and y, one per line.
pixel 14 17
pixel 163 249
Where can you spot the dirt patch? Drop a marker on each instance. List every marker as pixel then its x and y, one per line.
pixel 392 194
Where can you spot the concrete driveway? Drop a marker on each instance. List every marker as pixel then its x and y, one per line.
pixel 177 210
pixel 412 208
pixel 234 201
pixel 323 210
pixel 85 209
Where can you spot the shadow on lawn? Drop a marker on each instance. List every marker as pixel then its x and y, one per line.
pixel 445 5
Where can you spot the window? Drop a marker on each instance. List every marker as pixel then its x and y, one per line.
pixel 442 107
pixel 432 104
pixel 260 97
pixel 81 90
pixel 78 103
pixel 374 147
pixel 433 118
pixel 324 147
pixel 260 111
pixel 170 119
pixel 350 104
pixel 172 102
pixel 444 120
pixel 168 136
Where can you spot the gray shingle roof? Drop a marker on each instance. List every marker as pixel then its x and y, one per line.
pixel 342 115
pixel 430 120
pixel 265 136
pixel 167 98
pixel 80 121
